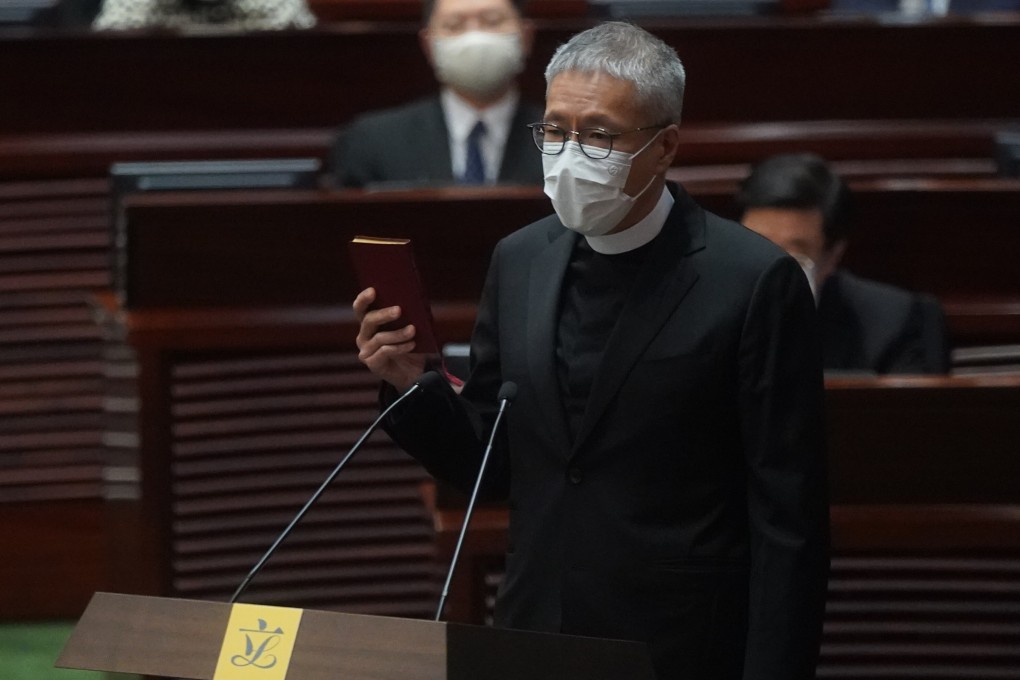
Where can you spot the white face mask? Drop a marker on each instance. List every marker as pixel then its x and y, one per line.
pixel 587 194
pixel 808 265
pixel 478 62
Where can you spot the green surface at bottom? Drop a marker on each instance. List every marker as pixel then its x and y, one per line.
pixel 28 650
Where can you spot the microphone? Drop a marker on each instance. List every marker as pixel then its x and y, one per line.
pixel 507 393
pixel 425 382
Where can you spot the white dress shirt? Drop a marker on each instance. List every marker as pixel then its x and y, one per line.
pixel 460 120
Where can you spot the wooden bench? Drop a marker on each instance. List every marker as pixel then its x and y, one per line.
pixel 963 230
pixel 740 71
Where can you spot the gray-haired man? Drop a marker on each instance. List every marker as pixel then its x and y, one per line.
pixel 664 460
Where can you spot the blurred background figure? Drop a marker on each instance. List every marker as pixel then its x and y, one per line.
pixel 241 15
pixel 474 131
pixel 923 7
pixel 797 202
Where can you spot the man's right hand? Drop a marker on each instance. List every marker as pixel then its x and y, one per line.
pixel 389 355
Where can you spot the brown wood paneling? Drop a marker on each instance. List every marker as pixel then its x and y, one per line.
pixel 709 150
pixel 217 437
pixel 954 227
pixel 276 266
pixel 53 241
pixel 740 70
pixel 939 600
pixel 53 557
pixel 253 437
pixel 55 156
pixel 924 440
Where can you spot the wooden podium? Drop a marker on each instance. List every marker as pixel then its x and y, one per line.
pixel 182 638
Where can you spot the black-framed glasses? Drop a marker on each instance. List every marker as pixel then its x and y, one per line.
pixel 595 143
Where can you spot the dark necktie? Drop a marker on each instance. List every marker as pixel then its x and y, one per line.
pixel 474 167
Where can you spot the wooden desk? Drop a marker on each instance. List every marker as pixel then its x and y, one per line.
pixel 951 238
pixel 740 70
pixel 290 247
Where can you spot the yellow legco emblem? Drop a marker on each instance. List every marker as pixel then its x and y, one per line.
pixel 258 643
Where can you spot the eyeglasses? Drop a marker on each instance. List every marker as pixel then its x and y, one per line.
pixel 595 143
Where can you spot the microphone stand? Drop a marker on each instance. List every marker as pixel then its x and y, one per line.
pixel 424 382
pixel 506 394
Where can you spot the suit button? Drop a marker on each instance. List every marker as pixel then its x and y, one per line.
pixel 575 475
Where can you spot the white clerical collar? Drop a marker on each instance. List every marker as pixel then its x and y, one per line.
pixel 638 235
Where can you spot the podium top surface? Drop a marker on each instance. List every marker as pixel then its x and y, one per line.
pixel 182 638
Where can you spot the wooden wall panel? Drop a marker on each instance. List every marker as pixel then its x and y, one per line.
pixel 943 615
pixel 253 437
pixel 892 615
pixel 739 71
pixel 52 558
pixel 53 251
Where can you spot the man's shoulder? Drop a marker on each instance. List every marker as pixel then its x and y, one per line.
pixel 879 307
pixel 535 235
pixel 863 292
pixel 736 246
pixel 398 117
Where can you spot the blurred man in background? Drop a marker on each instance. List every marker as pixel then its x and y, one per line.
pixel 797 202
pixel 474 131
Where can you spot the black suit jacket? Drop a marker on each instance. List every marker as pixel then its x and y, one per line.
pixel 691 509
pixel 877 328
pixel 409 145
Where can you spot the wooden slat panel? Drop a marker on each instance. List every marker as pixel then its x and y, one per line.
pixel 253 437
pixel 936 615
pixel 908 616
pixel 54 206
pixel 53 252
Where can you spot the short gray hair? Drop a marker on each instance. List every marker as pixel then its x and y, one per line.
pixel 626 52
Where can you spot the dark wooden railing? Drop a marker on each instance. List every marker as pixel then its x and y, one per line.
pixel 739 71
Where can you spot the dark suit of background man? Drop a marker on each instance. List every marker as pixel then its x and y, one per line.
pixel 664 457
pixel 800 204
pixel 476 48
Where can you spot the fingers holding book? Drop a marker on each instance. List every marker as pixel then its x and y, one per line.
pixel 388 354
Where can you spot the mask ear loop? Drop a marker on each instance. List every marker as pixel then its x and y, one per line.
pixel 650 179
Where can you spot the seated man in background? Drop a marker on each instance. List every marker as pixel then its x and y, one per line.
pixel 474 131
pixel 798 203
pixel 237 15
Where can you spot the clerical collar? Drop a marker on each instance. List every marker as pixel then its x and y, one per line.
pixel 637 235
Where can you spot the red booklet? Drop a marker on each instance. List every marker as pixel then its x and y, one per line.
pixel 387 264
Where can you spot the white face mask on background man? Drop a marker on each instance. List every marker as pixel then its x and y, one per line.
pixel 478 62
pixel 808 265
pixel 587 194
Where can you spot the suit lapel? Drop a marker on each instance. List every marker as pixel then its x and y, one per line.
pixel 660 288
pixel 544 284
pixel 522 162
pixel 436 139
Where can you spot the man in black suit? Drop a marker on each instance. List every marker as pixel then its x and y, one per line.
pixel 664 458
pixel 797 202
pixel 474 131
